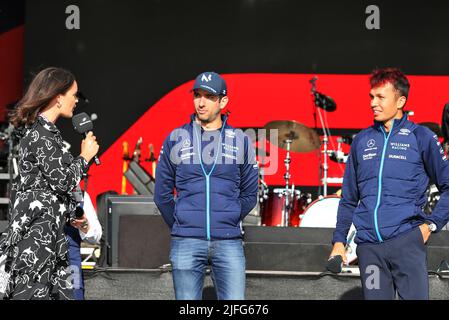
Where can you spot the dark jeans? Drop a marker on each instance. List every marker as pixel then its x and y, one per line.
pixel 74 242
pixel 395 266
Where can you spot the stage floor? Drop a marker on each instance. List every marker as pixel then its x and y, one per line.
pixel 136 284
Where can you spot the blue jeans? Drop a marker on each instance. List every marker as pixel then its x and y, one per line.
pixel 190 257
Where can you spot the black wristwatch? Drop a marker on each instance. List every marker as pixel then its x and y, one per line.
pixel 432 226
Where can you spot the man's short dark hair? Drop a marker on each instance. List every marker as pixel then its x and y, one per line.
pixel 394 76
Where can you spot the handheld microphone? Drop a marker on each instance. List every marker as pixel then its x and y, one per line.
pixel 82 123
pixel 334 264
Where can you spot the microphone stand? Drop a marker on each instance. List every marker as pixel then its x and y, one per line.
pixel 325 166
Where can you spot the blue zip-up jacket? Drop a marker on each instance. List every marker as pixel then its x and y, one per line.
pixel 385 182
pixel 214 192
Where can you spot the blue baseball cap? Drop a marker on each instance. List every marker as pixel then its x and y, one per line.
pixel 211 82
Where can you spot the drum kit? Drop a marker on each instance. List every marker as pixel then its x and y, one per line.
pixel 286 206
pixel 290 207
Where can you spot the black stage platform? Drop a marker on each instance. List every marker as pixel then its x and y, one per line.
pixel 283 263
pixel 129 284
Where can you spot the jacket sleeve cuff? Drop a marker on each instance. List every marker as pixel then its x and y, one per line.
pixel 84 163
pixel 436 222
pixel 338 237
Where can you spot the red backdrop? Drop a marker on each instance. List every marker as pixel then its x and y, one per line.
pixel 11 67
pixel 256 99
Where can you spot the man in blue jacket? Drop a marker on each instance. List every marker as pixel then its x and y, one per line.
pixel 212 167
pixel 384 187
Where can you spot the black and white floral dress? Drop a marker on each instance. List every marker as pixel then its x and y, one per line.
pixel 35 242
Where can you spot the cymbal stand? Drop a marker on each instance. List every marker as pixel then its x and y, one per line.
pixel 286 192
pixel 325 165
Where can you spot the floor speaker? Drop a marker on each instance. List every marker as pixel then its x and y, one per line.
pixel 137 235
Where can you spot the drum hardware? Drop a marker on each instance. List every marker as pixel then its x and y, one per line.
pixel 263 187
pixel 293 137
pixel 273 208
pixel 334 180
pixel 303 139
pixel 338 155
pixel 287 192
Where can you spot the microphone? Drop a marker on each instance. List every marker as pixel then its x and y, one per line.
pixel 82 123
pixel 334 264
pixel 324 102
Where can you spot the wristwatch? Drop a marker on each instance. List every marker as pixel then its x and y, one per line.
pixel 432 226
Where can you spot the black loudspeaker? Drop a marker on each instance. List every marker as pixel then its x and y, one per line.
pixel 287 248
pixel 137 235
pixel 307 249
pixel 102 212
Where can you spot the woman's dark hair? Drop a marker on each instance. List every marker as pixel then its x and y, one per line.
pixel 44 87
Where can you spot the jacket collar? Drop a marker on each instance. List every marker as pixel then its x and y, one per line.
pixel 397 124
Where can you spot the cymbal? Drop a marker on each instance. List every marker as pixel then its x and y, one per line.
pixel 435 127
pixel 304 139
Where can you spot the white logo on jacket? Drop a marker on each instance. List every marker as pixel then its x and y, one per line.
pixel 404 131
pixel 369 156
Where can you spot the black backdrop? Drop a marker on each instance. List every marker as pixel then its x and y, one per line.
pixel 128 54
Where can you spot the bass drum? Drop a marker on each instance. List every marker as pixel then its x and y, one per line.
pixel 322 213
pixel 271 208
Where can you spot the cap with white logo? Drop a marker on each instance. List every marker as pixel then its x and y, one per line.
pixel 211 82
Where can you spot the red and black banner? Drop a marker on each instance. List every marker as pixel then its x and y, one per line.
pixel 135 61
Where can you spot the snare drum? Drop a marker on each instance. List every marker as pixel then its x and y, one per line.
pixel 271 208
pixel 322 213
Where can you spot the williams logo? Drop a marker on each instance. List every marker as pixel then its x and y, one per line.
pixel 371 143
pixel 404 131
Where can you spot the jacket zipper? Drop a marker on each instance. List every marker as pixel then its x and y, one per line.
pixel 379 189
pixel 207 175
